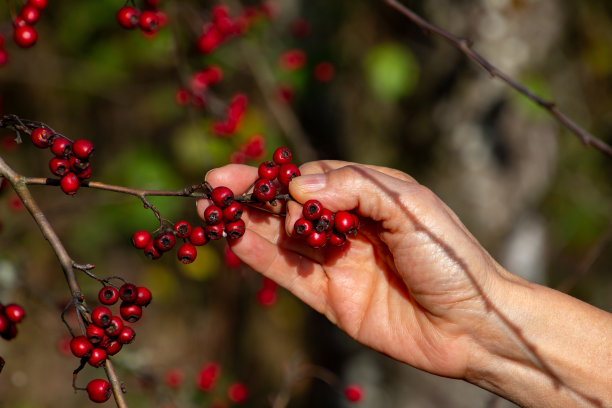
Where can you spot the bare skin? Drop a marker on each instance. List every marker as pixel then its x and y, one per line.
pixel 414 284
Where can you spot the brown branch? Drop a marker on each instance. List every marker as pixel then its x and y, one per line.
pixel 465 46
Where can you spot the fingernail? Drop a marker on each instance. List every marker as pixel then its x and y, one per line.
pixel 310 183
pixel 206 175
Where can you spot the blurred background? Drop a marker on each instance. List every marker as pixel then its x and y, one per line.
pixel 349 80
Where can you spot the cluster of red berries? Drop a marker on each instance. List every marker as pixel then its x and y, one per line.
pixel 71 159
pixel 274 175
pixel 149 20
pixel 233 116
pixel 24 33
pixel 106 334
pixel 10 316
pixel 319 225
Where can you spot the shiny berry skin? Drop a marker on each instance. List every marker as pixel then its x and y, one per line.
pixel 325 221
pixel 143 296
pixel 94 333
pixel 264 190
pixel 187 253
pixel 108 295
pixel 115 327
pixel 128 292
pixel 336 238
pixel 232 212
pixel 165 241
pixel 303 227
pixel 5 323
pixel 59 166
pixel 101 316
pixel 182 229
pixel 39 4
pixel 198 236
pixel 25 36
pixel 82 148
pixel 235 229
pixel 140 239
pixel 213 214
pixel 128 17
pixel 61 147
pixel 148 21
pixel 287 172
pixel 316 239
pixel 344 222
pixel 29 13
pixel 127 335
pixel 77 165
pixel 97 357
pixel 151 252
pixel 222 196
pixel 99 390
pixel 268 170
pixel 84 174
pixel 130 312
pixel 312 209
pixel 113 347
pixel 215 231
pixel 14 312
pixel 41 137
pixel 282 155
pixel 80 346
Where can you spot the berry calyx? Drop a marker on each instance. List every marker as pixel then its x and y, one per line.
pixel 128 292
pixel 108 295
pixel 115 327
pixel 99 390
pixel 215 231
pixel 182 229
pixel 235 229
pixel 165 241
pixel 187 253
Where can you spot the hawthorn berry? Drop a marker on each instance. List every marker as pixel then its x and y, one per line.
pixel 215 231
pixel 10 332
pixel 287 172
pixel 39 4
pixel 143 297
pixel 140 239
pixel 82 149
pixel 336 238
pixel 94 333
pixel 222 196
pixel 303 227
pixel 99 390
pixel 187 253
pixel 148 22
pixel 80 346
pixel 84 174
pixel 5 323
pixel 127 335
pixel 14 312
pixel 264 190
pixel 344 222
pixel 164 241
pixel 151 252
pixel 130 312
pixel 237 393
pixel 232 212
pixel 282 155
pixel 59 166
pixel 101 316
pixel 115 327
pixel 128 17
pixel 25 36
pixel 77 165
pixel 61 147
pixel 128 292
pixel 235 229
pixel 268 170
pixel 182 229
pixel 198 236
pixel 41 137
pixel 108 295
pixel 213 214
pixel 312 209
pixel 97 357
pixel 29 13
pixel 113 347
pixel 317 239
pixel 325 221
pixel 353 392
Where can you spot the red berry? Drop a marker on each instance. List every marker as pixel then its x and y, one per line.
pixel 344 222
pixel 148 21
pixel 325 221
pixel 182 229
pixel 353 393
pixel 287 172
pixel 264 190
pixel 317 239
pixel 165 241
pixel 82 148
pixel 187 253
pixel 94 333
pixel 235 229
pixel 303 227
pixel 113 347
pixel 312 209
pixel 140 239
pixel 128 17
pixel 61 147
pixel 143 297
pixel 14 312
pixel 336 238
pixel 292 59
pixel 99 390
pixel 213 214
pixel 10 332
pixel 29 13
pixel 282 155
pixel 198 236
pixel 108 295
pixel 59 166
pixel 39 4
pixel 215 231
pixel 208 375
pixel 151 252
pixel 237 393
pixel 4 56
pixel 41 137
pixel 115 327
pixel 25 36
pixel 77 165
pixel 128 292
pixel 130 312
pixel 80 346
pixel 127 335
pixel 84 174
pixel 232 212
pixel 97 357
pixel 268 170
pixel 5 323
pixel 101 316
pixel 222 196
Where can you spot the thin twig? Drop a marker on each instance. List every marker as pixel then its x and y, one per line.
pixel 465 46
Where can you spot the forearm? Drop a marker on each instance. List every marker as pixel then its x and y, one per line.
pixel 544 348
